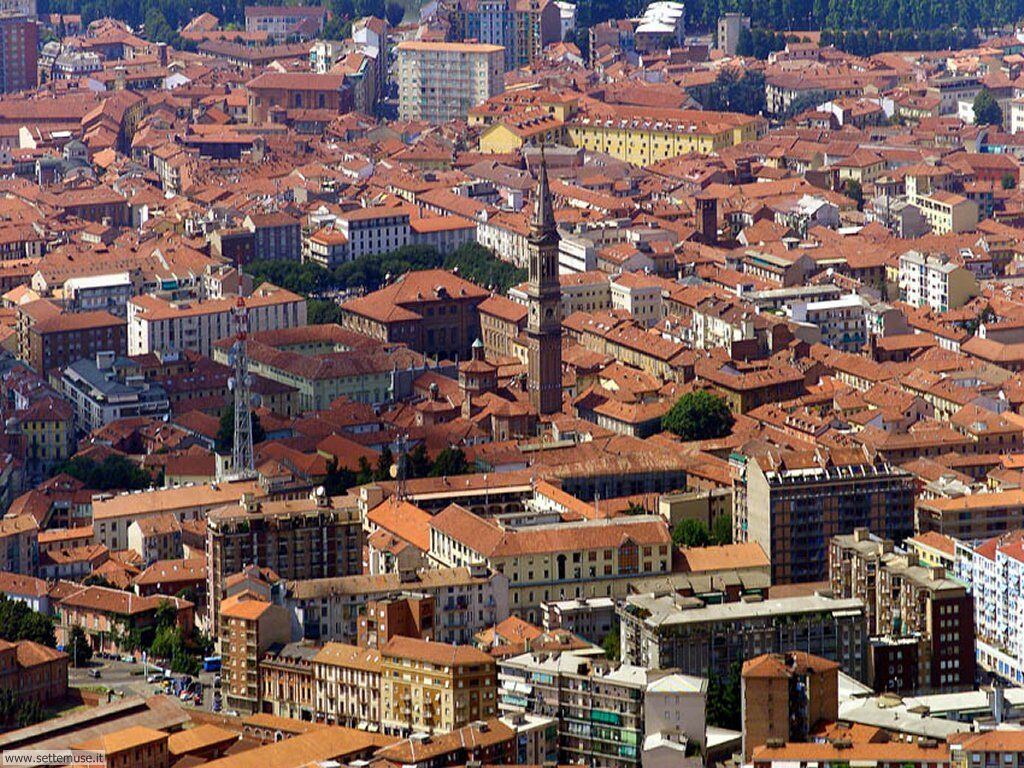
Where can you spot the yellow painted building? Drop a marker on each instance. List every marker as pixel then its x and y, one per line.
pixel 48 426
pixel 513 135
pixel 645 136
pixel 434 687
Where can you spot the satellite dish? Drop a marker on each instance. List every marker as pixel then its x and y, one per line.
pixel 393 471
pixel 231 384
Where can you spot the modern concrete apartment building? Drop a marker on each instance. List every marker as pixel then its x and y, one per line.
pixel 792 503
pixel 309 538
pixel 439 82
pixel 935 281
pixel 603 709
pixel 706 639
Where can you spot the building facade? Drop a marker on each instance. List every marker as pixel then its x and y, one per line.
pixel 433 687
pixel 309 538
pixel 440 82
pixel 792 504
pixel 707 639
pixel 914 611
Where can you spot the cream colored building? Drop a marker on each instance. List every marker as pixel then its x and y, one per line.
pixel 440 82
pixel 156 324
pixel 948 212
pixel 112 515
pixel 347 685
pixel 593 558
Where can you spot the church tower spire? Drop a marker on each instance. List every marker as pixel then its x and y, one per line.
pixel 544 300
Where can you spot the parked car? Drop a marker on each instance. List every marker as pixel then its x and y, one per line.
pixel 94 673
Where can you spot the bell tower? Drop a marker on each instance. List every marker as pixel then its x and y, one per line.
pixel 544 302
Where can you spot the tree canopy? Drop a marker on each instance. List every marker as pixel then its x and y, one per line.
pixel 732 92
pixel 699 416
pixel 226 431
pixel 113 473
pixel 986 109
pixel 450 461
pixel 368 273
pixel 691 533
pixel 19 622
pixel 611 643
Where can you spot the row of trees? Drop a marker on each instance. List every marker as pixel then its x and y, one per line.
pixel 165 639
pixel 473 261
pixel 759 42
pixel 867 42
pixel 695 533
pixel 415 463
pixel 858 14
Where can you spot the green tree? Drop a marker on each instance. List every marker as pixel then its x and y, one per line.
pixel 166 614
pixel 1009 181
pixel 699 415
pixel 166 643
pixel 78 647
pixel 450 461
pixel 986 109
pixel 384 463
pixel 19 622
pixel 853 190
pixel 394 12
pixel 636 509
pixel 338 481
pixel 417 462
pixel 691 533
pixel 721 529
pixel 320 312
pixel 723 699
pixel 115 472
pixel 226 431
pixel 611 644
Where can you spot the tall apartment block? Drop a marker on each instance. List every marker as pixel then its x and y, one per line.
pixel 19 45
pixel 439 82
pixel 994 570
pixel 792 504
pixel 782 696
pixel 299 539
pixel 920 620
pixel 700 639
pixel 604 709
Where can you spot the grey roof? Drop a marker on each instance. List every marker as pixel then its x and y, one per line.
pixel 666 611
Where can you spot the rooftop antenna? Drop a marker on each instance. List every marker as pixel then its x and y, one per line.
pixel 240 384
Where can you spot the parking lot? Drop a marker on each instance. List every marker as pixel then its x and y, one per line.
pixel 132 679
